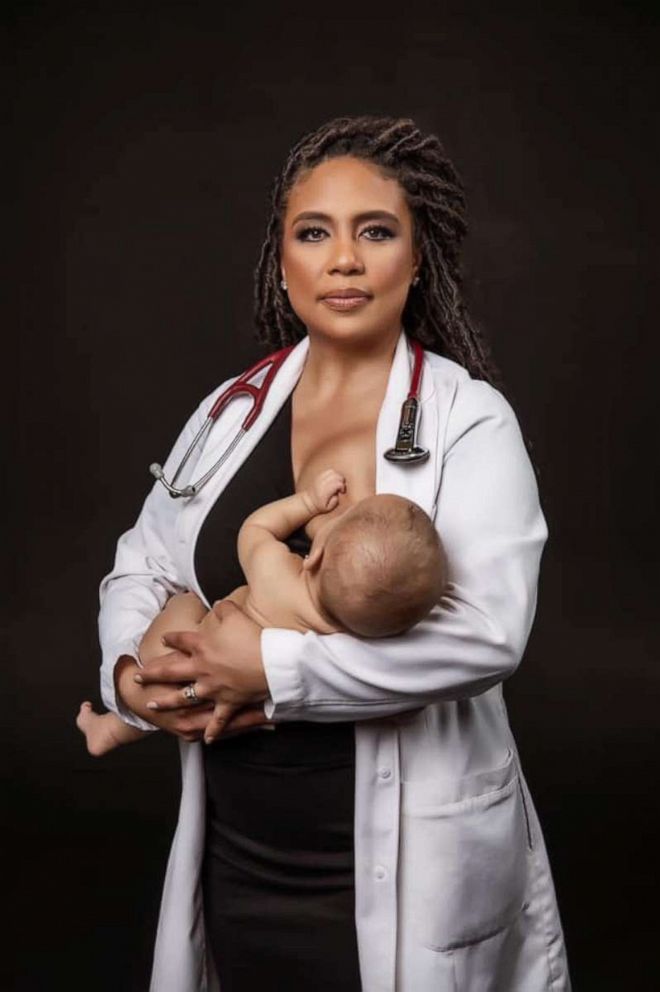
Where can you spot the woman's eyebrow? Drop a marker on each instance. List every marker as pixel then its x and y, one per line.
pixel 364 215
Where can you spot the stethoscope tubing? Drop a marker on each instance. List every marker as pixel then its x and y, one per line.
pixel 404 452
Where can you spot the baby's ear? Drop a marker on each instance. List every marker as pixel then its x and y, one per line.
pixel 313 558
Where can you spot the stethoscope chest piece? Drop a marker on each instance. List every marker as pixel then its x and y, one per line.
pixel 405 449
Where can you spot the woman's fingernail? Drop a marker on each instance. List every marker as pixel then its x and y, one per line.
pixel 137 678
pixel 208 740
pixel 152 706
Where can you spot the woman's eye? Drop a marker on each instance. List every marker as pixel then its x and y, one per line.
pixel 380 230
pixel 374 233
pixel 303 233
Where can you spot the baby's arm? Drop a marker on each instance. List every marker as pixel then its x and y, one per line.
pixel 270 525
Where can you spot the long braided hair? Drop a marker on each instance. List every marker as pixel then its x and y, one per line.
pixel 435 313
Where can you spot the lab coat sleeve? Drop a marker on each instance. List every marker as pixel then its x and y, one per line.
pixel 493 529
pixel 144 575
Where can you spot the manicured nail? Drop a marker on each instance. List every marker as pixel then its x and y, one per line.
pixel 152 706
pixel 137 678
pixel 209 740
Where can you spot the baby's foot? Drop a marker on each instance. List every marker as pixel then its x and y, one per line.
pixel 98 730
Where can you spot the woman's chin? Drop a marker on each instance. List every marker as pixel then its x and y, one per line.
pixel 350 327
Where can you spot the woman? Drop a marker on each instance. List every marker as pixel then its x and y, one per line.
pixel 444 882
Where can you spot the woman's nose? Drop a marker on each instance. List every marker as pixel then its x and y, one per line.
pixel 345 257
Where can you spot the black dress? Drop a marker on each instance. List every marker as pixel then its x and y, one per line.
pixel 278 870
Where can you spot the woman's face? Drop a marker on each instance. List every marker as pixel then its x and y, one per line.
pixel 348 227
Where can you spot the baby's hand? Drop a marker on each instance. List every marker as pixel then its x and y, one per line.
pixel 324 491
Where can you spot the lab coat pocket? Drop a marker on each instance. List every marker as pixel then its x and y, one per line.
pixel 464 855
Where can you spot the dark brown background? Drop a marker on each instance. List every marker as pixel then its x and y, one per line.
pixel 146 140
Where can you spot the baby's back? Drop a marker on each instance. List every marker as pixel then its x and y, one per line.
pixel 278 595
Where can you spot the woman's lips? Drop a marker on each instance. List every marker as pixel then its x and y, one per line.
pixel 345 302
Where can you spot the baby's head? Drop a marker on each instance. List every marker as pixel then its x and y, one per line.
pixel 382 567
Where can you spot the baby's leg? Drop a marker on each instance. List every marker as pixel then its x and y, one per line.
pixel 105 731
pixel 182 612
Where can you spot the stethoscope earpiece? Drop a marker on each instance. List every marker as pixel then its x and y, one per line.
pixel 157 472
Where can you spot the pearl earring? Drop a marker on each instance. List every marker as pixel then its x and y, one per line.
pixel 415 280
pixel 283 283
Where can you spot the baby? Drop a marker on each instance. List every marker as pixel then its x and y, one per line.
pixel 374 571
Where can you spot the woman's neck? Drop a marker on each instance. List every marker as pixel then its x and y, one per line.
pixel 342 368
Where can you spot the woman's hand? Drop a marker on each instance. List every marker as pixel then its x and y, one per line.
pixel 223 660
pixel 187 722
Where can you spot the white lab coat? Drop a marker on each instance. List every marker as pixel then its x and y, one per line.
pixel 453 891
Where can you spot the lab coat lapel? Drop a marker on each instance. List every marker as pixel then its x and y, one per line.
pixel 220 436
pixel 418 481
pixel 227 425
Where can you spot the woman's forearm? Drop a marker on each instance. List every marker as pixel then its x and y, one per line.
pixel 146 571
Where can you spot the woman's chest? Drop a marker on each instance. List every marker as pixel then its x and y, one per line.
pixel 338 437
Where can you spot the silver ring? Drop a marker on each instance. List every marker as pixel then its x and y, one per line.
pixel 189 692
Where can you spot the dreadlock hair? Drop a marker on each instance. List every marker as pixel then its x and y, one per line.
pixel 435 313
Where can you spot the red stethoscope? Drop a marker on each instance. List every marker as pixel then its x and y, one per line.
pixel 405 450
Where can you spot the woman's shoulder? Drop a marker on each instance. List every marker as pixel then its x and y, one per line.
pixel 472 408
pixel 470 395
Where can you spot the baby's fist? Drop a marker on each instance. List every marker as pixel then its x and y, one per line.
pixel 326 488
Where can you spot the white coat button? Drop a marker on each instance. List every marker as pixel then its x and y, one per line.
pixel 380 872
pixel 385 772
